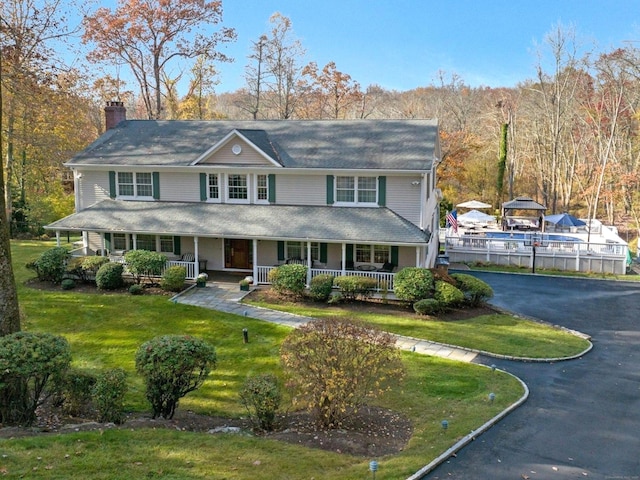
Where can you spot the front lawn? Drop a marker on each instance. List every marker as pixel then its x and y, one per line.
pixel 495 333
pixel 104 330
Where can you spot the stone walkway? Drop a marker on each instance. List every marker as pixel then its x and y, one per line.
pixel 226 297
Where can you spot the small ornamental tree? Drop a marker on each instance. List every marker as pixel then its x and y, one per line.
pixel 172 366
pixel 143 263
pixel 28 363
pixel 108 395
pixel 413 283
pixel 334 365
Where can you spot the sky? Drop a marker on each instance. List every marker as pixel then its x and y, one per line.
pixel 404 44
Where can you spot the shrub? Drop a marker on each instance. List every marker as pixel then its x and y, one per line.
pixel 85 268
pixel 136 289
pixel 68 284
pixel 475 290
pixel 28 362
pixel 75 387
pixel 109 276
pixel 143 263
pixel 261 396
pixel 289 279
pixel 334 365
pixel 108 395
pixel 172 366
pixel 50 266
pixel 448 295
pixel 413 283
pixel 427 306
pixel 173 279
pixel 356 286
pixel 321 287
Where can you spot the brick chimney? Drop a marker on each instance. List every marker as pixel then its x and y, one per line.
pixel 114 113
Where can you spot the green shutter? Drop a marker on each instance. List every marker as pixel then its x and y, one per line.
pixel 176 245
pixel 203 187
pixel 329 189
pixel 112 184
pixel 382 191
pixel 272 188
pixel 280 251
pixel 323 253
pixel 107 241
pixel 155 178
pixel 349 252
pixel 394 255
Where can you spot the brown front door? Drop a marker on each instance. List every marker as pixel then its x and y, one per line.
pixel 237 254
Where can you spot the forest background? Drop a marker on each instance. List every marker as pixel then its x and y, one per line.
pixel 567 137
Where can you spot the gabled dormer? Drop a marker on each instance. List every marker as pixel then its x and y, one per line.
pixel 242 148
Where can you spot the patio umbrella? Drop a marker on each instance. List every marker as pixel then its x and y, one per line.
pixel 473 204
pixel 475 216
pixel 564 220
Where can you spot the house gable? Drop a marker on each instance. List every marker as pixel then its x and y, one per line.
pixel 241 148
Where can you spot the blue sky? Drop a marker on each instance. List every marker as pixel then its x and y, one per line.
pixel 403 44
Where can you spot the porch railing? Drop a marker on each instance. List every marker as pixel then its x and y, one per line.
pixel 383 279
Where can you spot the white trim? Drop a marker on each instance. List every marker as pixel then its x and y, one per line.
pixel 355 202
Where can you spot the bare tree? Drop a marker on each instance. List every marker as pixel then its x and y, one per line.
pixel 147 34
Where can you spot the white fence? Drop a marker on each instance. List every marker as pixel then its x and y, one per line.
pixel 550 254
pixel 384 279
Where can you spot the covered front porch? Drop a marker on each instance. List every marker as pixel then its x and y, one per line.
pixel 372 242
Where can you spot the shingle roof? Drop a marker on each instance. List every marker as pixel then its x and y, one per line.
pixel 317 223
pixel 523 203
pixel 366 144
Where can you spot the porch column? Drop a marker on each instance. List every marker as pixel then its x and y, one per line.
pixel 103 245
pixel 344 259
pixel 135 241
pixel 57 238
pixel 309 262
pixel 255 261
pixel 196 267
pixel 418 257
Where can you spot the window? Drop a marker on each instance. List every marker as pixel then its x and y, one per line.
pixel 214 186
pixel 146 242
pixel 135 184
pixel 356 190
pixel 119 241
pixel 237 187
pixel 373 253
pixel 262 188
pixel 166 243
pixel 299 250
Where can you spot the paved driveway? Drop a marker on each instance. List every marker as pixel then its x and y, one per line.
pixel 582 419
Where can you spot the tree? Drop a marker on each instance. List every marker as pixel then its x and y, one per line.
pixel 335 365
pixel 330 93
pixel 148 34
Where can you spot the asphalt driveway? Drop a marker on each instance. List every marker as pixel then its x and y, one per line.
pixel 582 419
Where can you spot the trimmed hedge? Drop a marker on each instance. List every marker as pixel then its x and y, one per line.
pixel 427 306
pixel 51 265
pixel 353 287
pixel 413 283
pixel 475 290
pixel 173 279
pixel 321 287
pixel 109 276
pixel 289 279
pixel 448 295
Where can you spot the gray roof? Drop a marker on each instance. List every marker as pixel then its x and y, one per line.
pixel 330 224
pixel 523 203
pixel 358 144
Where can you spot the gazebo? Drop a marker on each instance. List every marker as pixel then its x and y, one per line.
pixel 515 218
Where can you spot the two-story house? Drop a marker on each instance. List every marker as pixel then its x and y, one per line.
pixel 337 196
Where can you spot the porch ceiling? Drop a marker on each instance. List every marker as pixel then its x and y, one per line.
pixel 317 223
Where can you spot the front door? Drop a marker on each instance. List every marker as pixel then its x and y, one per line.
pixel 237 254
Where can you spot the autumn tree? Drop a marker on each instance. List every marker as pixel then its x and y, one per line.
pixel 329 93
pixel 147 35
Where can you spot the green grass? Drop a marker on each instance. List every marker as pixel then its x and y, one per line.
pixel 105 331
pixel 499 334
